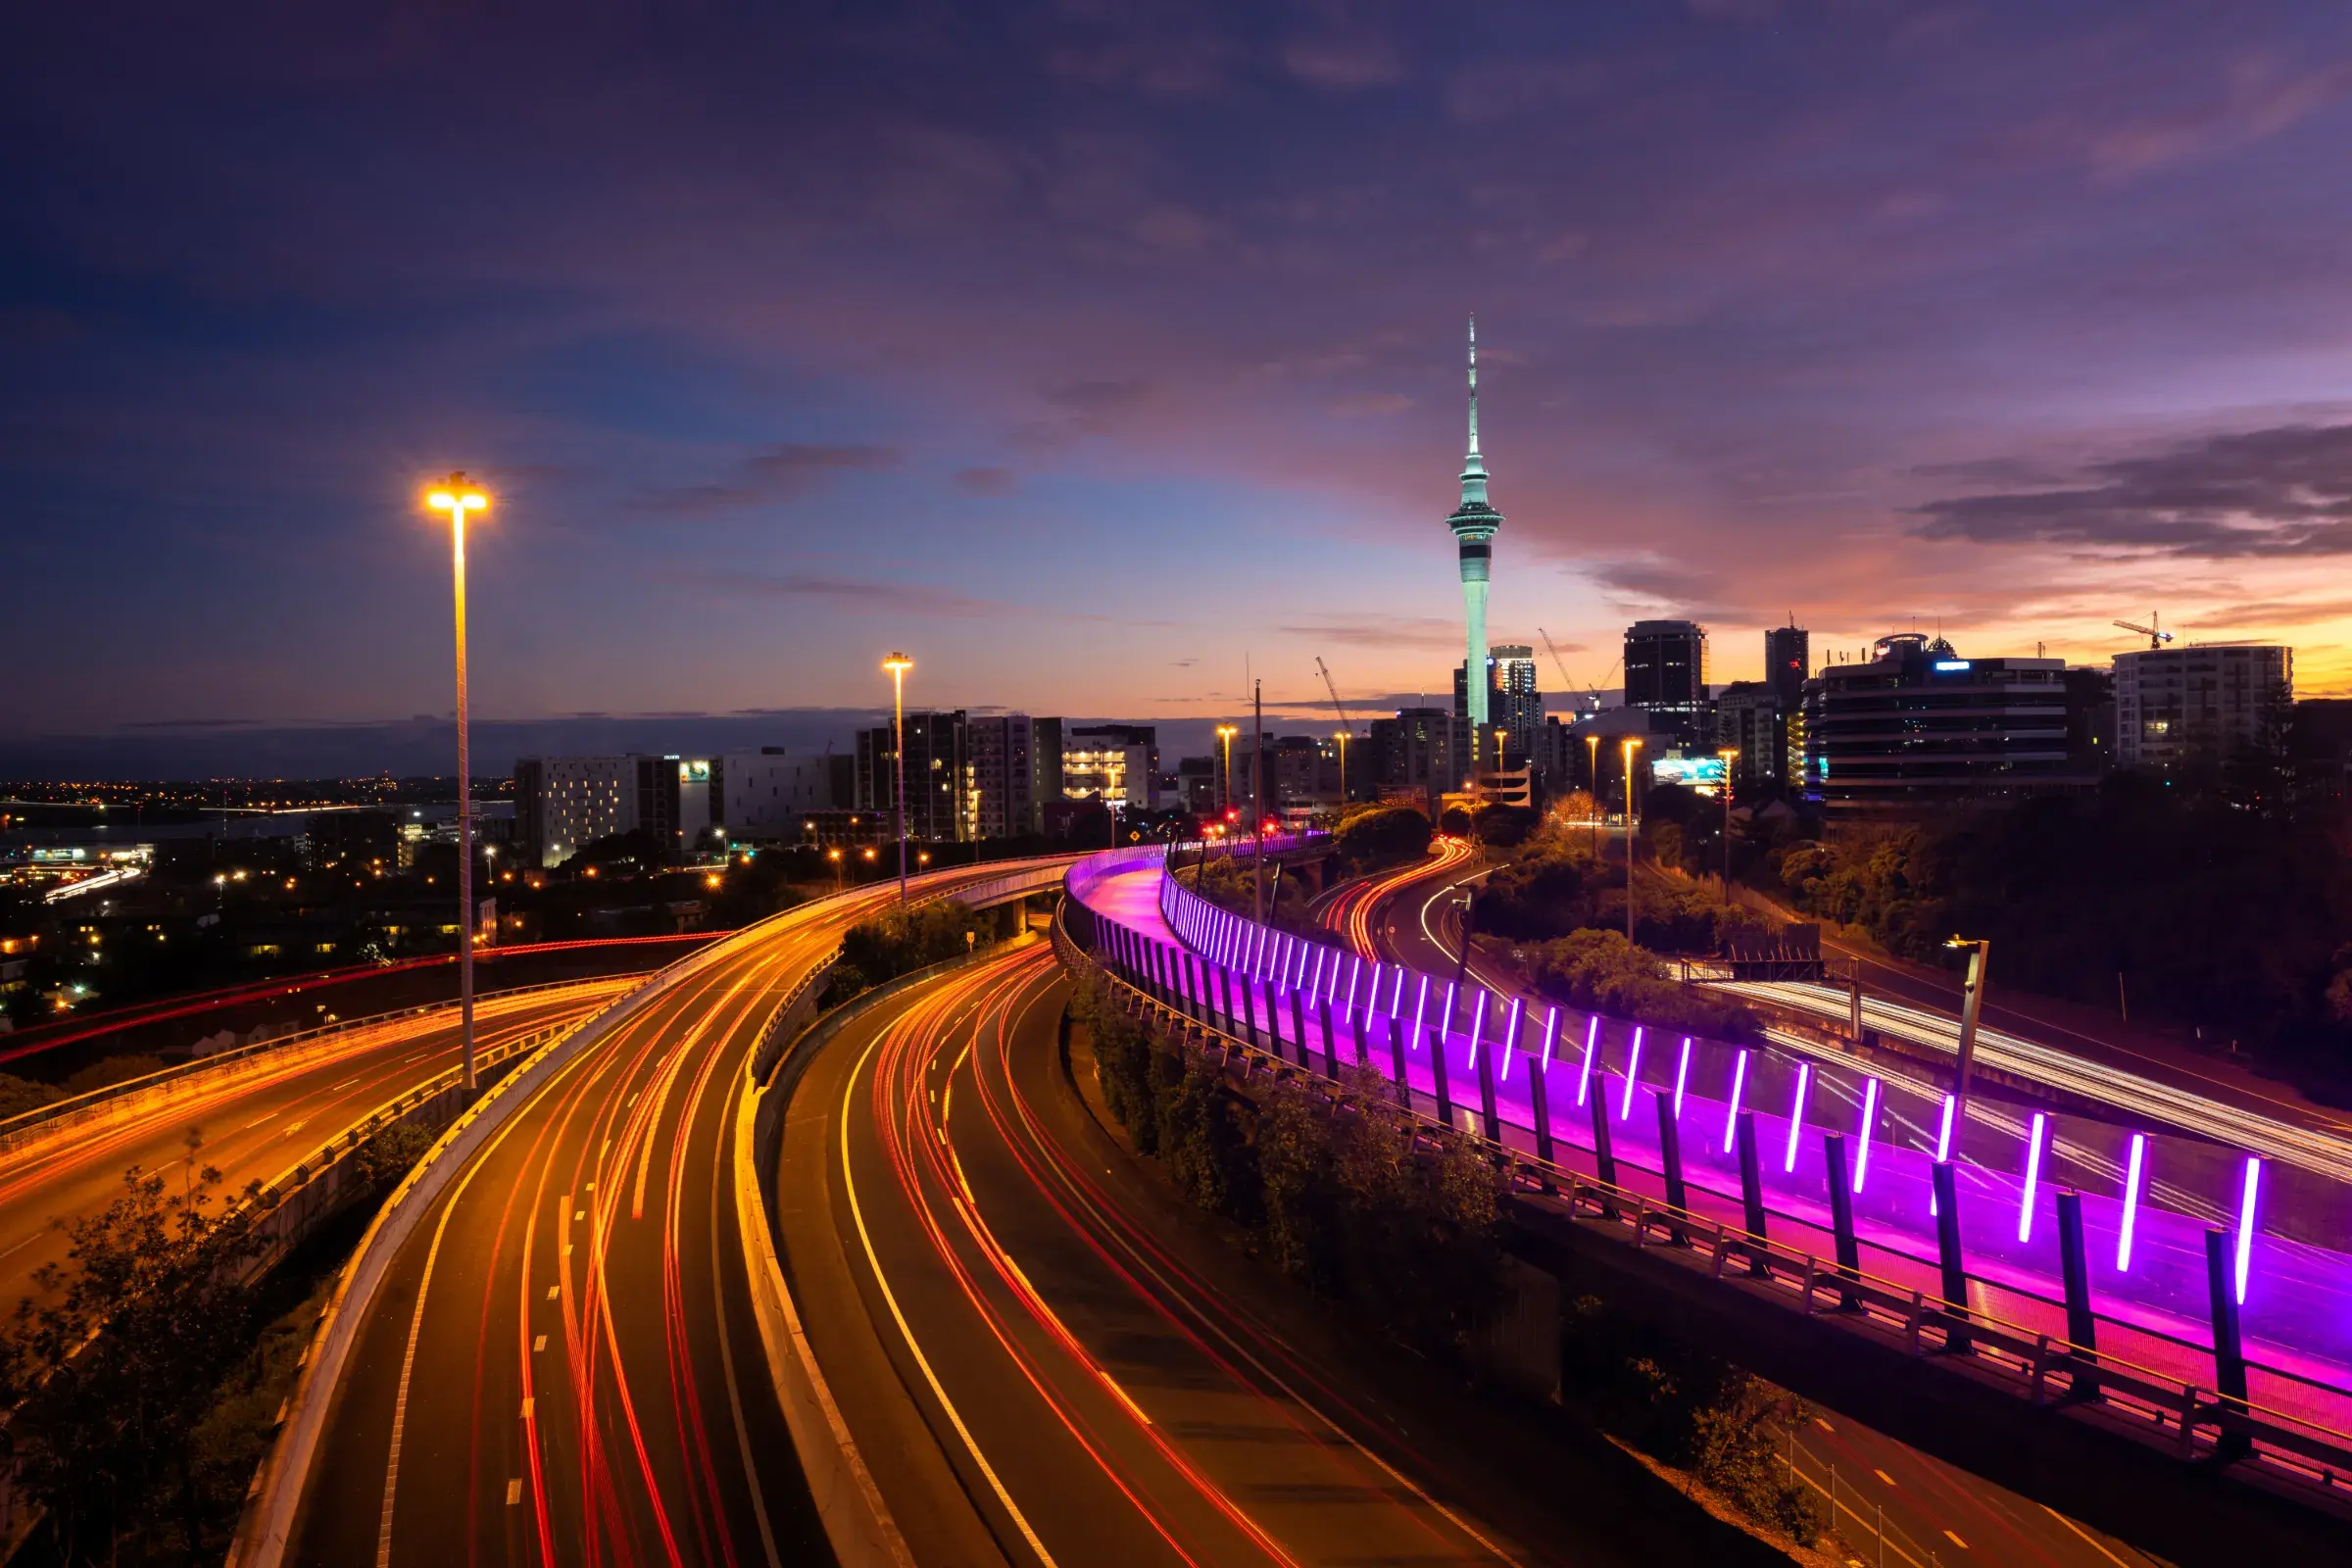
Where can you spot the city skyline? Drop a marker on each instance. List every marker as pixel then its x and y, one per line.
pixel 1858 340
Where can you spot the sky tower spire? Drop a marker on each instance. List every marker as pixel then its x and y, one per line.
pixel 1474 523
pixel 1474 386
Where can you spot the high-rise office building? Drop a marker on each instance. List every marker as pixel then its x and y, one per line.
pixel 1003 775
pixel 1119 762
pixel 562 802
pixel 1518 703
pixel 1918 725
pixel 1474 523
pixel 1787 662
pixel 771 793
pixel 1749 720
pixel 938 775
pixel 1413 754
pixel 1666 675
pixel 2201 702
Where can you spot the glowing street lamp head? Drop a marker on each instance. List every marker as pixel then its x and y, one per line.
pixel 898 664
pixel 457 496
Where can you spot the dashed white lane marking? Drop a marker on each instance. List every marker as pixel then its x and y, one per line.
pixel 514 1490
pixel 1955 1541
pixel 539 1344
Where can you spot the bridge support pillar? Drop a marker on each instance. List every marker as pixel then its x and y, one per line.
pixel 1670 1156
pixel 1330 1041
pixel 1405 1081
pixel 2082 1328
pixel 1751 1193
pixel 1604 1159
pixel 1440 1076
pixel 1538 1106
pixel 1842 1220
pixel 1488 1118
pixel 2229 1352
pixel 1299 1030
pixel 1947 1249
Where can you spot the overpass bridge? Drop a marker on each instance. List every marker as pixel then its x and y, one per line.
pixel 2162 1272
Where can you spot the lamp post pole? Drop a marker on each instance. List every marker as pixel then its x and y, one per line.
pixel 899 664
pixel 458 496
pixel 1257 807
pixel 1730 755
pixel 1592 772
pixel 1631 747
pixel 1972 1001
pixel 1225 735
pixel 1341 737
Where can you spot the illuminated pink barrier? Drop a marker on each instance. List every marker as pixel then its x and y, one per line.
pixel 2146 1283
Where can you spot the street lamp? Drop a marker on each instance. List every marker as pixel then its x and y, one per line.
pixel 1592 772
pixel 899 664
pixel 1632 746
pixel 1972 1001
pixel 1729 755
pixel 834 855
pixel 1225 735
pixel 457 496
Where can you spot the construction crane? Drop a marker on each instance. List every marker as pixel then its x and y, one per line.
pixel 1336 707
pixel 2156 637
pixel 1568 681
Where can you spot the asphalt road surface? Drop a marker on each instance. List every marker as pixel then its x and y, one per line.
pixel 564 1364
pixel 1047 1357
pixel 253 1122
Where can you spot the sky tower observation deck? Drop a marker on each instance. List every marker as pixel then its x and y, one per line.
pixel 1474 522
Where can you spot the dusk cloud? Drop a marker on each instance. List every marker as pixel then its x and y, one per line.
pixel 780 473
pixel 2282 492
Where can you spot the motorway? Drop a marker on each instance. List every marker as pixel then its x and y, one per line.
pixel 1046 1356
pixel 563 1362
pixel 253 1121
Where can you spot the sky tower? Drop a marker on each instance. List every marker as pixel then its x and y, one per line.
pixel 1474 522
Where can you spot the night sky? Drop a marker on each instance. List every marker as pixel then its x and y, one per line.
pixel 1094 354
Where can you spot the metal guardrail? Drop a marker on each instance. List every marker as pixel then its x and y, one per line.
pixel 16 1129
pixel 2047 1367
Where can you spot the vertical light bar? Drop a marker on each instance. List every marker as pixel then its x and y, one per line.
pixel 1682 1076
pixel 1730 1120
pixel 1943 1152
pixel 1552 1031
pixel 1445 1018
pixel 1478 1027
pixel 1396 1002
pixel 1632 1070
pixel 1870 1119
pixel 1330 990
pixel 1584 1076
pixel 2024 1209
pixel 1355 972
pixel 1796 1117
pixel 2245 1224
pixel 1510 1039
pixel 1315 987
pixel 1420 1005
pixel 2122 1242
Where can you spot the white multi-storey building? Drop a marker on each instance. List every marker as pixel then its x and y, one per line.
pixel 2205 701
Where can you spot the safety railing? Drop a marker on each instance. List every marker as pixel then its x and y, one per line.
pixel 43 1119
pixel 2044 1366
